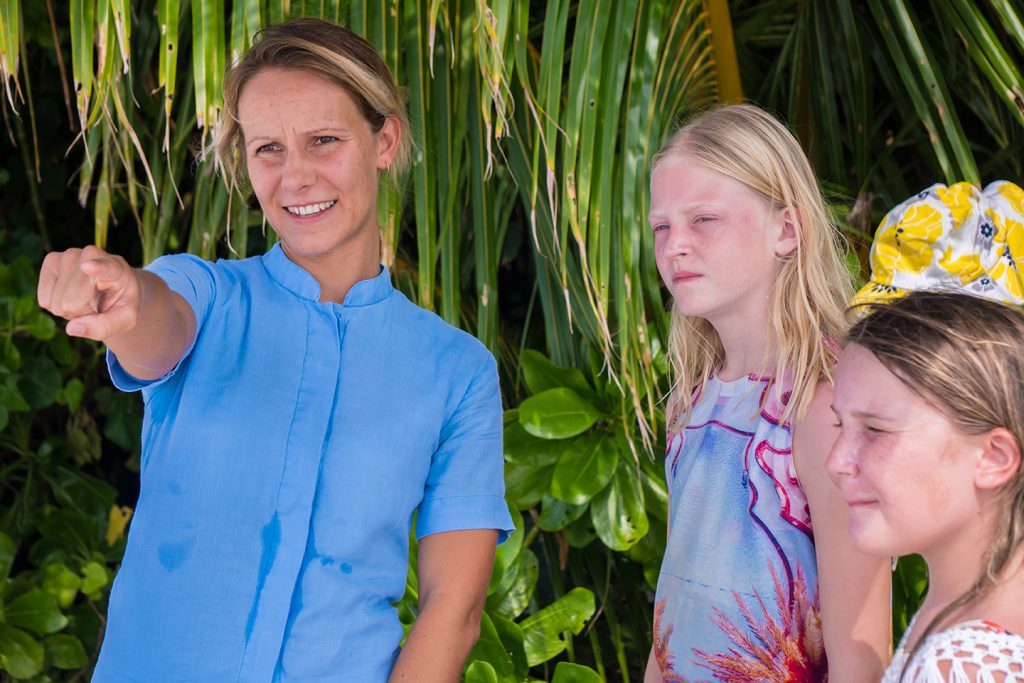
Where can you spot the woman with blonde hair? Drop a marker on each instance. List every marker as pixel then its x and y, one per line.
pixel 759 581
pixel 300 412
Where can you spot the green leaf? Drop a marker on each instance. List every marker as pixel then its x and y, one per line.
pixel 40 381
pixel 567 672
pixel 7 550
pixel 489 649
pixel 541 374
pixel 526 482
pixel 522 447
pixel 584 468
pixel 556 514
pixel 580 533
pixel 557 414
pixel 508 551
pixel 512 638
pixel 10 395
pixel 36 611
pixel 514 590
pixel 65 652
pixel 620 519
pixel 20 654
pixel 480 672
pixel 94 577
pixel 61 583
pixel 71 394
pixel 38 325
pixel 543 631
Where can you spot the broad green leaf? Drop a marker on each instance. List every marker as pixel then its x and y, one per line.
pixel 71 395
pixel 39 325
pixel 543 632
pixel 40 381
pixel 480 672
pixel 620 519
pixel 7 550
pixel 512 638
pixel 580 533
pixel 489 649
pixel 557 414
pixel 513 592
pixel 65 652
pixel 61 583
pixel 508 551
pixel 526 483
pixel 557 514
pixel 541 374
pixel 20 654
pixel 36 611
pixel 566 672
pixel 94 577
pixel 586 467
pixel 522 447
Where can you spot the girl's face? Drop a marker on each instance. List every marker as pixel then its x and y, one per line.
pixel 906 472
pixel 716 242
pixel 313 161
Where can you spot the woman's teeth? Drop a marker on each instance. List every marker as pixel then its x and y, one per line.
pixel 310 209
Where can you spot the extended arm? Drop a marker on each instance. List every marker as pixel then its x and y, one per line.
pixel 454 570
pixel 854 587
pixel 145 324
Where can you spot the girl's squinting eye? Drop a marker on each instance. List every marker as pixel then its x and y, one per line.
pixel 659 227
pixel 704 219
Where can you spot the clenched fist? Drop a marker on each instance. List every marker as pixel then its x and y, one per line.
pixel 98 293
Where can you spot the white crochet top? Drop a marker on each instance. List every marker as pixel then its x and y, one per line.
pixel 972 652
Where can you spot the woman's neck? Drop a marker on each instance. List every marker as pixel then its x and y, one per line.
pixel 337 273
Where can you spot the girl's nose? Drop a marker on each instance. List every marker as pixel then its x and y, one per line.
pixel 840 462
pixel 678 240
pixel 299 171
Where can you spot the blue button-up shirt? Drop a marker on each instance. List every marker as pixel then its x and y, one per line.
pixel 283 460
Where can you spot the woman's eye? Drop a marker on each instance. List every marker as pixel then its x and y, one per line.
pixel 324 139
pixel 703 219
pixel 659 227
pixel 266 148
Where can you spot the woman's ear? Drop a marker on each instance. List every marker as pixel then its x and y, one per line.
pixel 387 142
pixel 999 461
pixel 789 232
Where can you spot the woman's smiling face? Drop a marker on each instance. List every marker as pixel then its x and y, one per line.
pixel 906 472
pixel 314 162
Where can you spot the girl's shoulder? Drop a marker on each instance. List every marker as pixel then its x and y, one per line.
pixel 975 650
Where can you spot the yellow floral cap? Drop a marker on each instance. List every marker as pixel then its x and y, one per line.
pixel 957 237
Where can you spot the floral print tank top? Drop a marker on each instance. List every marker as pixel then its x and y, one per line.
pixel 737 596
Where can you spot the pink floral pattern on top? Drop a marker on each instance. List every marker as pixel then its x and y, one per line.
pixel 737 597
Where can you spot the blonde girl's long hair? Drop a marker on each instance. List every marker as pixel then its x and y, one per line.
pixel 807 304
pixel 963 355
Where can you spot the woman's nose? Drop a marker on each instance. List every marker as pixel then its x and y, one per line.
pixel 299 171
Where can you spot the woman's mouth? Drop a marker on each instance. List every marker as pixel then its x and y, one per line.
pixel 310 209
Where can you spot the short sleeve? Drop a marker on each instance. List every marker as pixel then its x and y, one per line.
pixel 465 486
pixel 191 278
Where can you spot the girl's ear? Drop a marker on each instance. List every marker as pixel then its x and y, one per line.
pixel 789 232
pixel 387 142
pixel 1000 459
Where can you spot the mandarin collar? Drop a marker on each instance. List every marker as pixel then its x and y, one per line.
pixel 298 281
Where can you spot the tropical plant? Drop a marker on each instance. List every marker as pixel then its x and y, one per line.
pixel 522 222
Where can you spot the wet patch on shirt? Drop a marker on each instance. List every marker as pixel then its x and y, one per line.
pixel 345 568
pixel 173 555
pixel 326 560
pixel 271 536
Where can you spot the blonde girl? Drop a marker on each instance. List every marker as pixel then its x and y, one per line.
pixel 759 581
pixel 930 396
